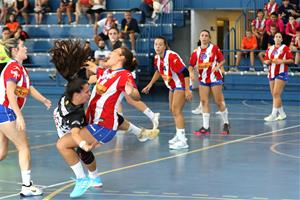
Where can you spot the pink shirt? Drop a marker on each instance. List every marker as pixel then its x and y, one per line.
pixel 279 25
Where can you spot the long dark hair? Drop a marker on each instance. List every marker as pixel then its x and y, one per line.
pixel 68 56
pixel 74 86
pixel 130 62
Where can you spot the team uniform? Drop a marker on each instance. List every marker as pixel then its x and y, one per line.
pixel 170 68
pixel 67 116
pixel 278 71
pixel 18 74
pixel 106 96
pixel 205 60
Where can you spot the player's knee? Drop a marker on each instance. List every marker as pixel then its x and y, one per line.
pixel 86 157
pixel 3 155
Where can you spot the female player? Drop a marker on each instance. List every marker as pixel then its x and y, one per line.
pixel 277 56
pixel 15 86
pixel 208 59
pixel 170 67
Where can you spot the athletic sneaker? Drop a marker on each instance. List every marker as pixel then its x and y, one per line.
pixel 218 113
pixel 180 144
pixel 198 110
pixel 202 130
pixel 155 120
pixel 147 134
pixel 81 186
pixel 30 190
pixel 270 118
pixel 174 140
pixel 225 129
pixel 96 182
pixel 281 117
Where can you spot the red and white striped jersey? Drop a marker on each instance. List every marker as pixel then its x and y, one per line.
pixel 170 68
pixel 17 73
pixel 205 60
pixel 271 8
pixel 106 97
pixel 273 53
pixel 259 25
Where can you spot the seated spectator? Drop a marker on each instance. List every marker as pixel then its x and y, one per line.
pixel 269 41
pixel 114 42
pixel 147 9
pixel 91 52
pixel 12 24
pixel 249 44
pixel 82 6
pixel 65 6
pixel 104 25
pixel 4 58
pixel 295 46
pixel 22 7
pixel 129 29
pixel 284 11
pixel 270 7
pixel 8 7
pixel 258 27
pixel 290 30
pixel 40 8
pixel 21 34
pixel 2 12
pixel 98 6
pixel 101 53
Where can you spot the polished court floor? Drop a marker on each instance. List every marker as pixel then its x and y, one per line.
pixel 257 160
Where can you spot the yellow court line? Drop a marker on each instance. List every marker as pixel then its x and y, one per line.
pixel 53 194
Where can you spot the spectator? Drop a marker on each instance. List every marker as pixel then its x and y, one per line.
pixel 104 24
pixel 102 52
pixel 147 9
pixel 2 12
pixel 98 6
pixel 271 7
pixel 3 55
pixel 21 7
pixel 129 29
pixel 167 6
pixel 8 7
pixel 65 6
pixel 40 8
pixel 290 29
pixel 21 34
pixel 114 41
pixel 82 6
pixel 296 12
pixel 249 44
pixel 87 46
pixel 275 20
pixel 258 27
pixel 295 46
pixel 12 24
pixel 284 11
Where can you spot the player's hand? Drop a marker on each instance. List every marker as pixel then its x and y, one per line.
pixel 147 89
pixel 188 95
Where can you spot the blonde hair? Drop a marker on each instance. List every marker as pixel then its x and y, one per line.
pixel 9 44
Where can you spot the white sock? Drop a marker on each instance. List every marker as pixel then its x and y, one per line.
pixel 180 132
pixel 78 170
pixel 93 174
pixel 200 105
pixel 148 112
pixel 274 111
pixel 205 117
pixel 224 116
pixel 26 177
pixel 281 111
pixel 134 129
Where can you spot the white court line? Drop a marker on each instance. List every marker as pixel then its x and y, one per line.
pixel 178 155
pixel 244 102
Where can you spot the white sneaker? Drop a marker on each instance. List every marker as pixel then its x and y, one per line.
pixel 218 113
pixel 252 69
pixel 281 117
pixel 270 118
pixel 266 69
pixel 174 140
pixel 180 144
pixel 31 190
pixel 197 111
pixel 155 120
pixel 147 134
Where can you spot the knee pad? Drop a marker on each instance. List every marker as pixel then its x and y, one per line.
pixel 86 157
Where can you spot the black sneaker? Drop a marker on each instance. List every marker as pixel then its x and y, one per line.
pixel 226 128
pixel 202 130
